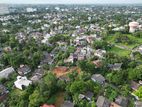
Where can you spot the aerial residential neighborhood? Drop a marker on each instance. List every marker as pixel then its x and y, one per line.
pixel 57 55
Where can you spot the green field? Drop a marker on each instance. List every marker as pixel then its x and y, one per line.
pixel 137 41
pixel 120 52
pixel 123 52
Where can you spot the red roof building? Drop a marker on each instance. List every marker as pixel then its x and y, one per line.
pixel 46 105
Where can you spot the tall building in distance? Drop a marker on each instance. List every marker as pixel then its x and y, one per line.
pixel 133 26
pixel 4 9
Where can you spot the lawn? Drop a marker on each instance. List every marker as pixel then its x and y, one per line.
pixel 137 41
pixel 120 52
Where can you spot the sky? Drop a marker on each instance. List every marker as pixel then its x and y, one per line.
pixel 71 1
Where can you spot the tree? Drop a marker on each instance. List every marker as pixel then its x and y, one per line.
pixel 101 45
pixel 77 87
pixel 125 89
pixel 135 74
pixel 116 77
pixel 34 99
pixel 51 82
pixel 110 93
pixel 87 66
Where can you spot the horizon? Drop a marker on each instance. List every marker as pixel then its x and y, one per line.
pixel 83 2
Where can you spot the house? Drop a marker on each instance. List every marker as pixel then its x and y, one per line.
pixel 64 78
pixel 3 92
pixel 97 37
pixel 22 82
pixel 80 41
pixel 115 67
pixel 138 104
pixel 81 57
pixel 80 31
pixel 36 35
pixel 88 95
pixel 90 39
pixel 121 28
pixel 87 51
pixel 47 58
pixel 6 72
pixel 113 104
pixel 135 85
pixel 139 49
pixel 38 74
pixel 46 105
pixel 7 49
pixel 72 58
pixel 46 37
pixel 103 102
pixel 21 37
pixel 140 82
pixel 100 53
pixel 67 104
pixel 122 101
pixel 97 63
pixel 98 78
pixel 23 70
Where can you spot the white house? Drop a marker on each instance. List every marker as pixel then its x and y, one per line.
pixel 6 72
pixel 22 82
pixel 46 37
pixel 29 9
pixel 100 53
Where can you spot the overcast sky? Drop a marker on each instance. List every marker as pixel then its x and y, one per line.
pixel 71 1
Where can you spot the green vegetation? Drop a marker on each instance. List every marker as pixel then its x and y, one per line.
pixel 120 52
pixel 129 40
pixel 139 93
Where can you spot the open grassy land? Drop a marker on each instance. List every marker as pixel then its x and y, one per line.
pixel 120 52
pixel 135 41
pixel 124 48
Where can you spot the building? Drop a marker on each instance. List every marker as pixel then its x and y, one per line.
pixel 31 9
pixel 37 75
pixel 98 78
pixel 22 82
pixel 133 26
pixel 23 70
pixel 122 101
pixel 3 92
pixel 134 85
pixel 72 58
pixel 102 102
pixel 46 37
pixel 88 96
pixel 115 67
pixel 46 105
pixel 97 63
pixel 113 104
pixel 67 104
pixel 6 72
pixel 47 58
pixel 100 53
pixel 138 104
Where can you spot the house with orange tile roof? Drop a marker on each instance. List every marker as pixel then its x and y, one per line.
pixel 46 105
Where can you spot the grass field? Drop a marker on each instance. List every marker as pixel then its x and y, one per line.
pixel 137 41
pixel 123 52
pixel 120 52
